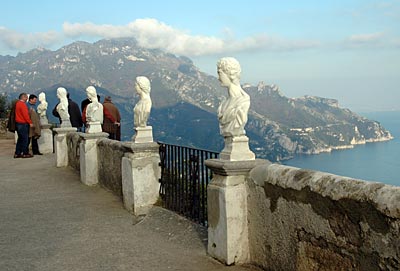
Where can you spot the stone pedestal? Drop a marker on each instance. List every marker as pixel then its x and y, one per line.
pixel 227 210
pixel 94 127
pixel 44 121
pixel 88 157
pixel 60 145
pixel 237 149
pixel 143 134
pixel 140 177
pixel 66 124
pixel 45 140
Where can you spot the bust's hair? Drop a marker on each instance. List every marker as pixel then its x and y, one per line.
pixel 144 83
pixel 91 91
pixel 231 67
pixel 62 92
pixel 42 96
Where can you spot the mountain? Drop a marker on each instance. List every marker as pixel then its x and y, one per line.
pixel 185 99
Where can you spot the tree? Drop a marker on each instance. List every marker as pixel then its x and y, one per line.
pixel 4 106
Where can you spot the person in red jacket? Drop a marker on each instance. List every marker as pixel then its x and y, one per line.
pixel 22 124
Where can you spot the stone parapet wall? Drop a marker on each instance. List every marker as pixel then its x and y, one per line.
pixel 307 220
pixel 4 133
pixel 110 153
pixel 73 141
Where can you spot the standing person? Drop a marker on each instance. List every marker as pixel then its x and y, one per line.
pixel 112 119
pixel 22 124
pixel 35 131
pixel 74 114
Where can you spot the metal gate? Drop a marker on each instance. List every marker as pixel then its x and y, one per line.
pixel 184 179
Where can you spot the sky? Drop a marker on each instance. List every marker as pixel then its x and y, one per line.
pixel 345 49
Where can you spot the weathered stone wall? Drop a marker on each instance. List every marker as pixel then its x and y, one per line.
pixel 3 128
pixel 307 220
pixel 4 133
pixel 110 153
pixel 73 141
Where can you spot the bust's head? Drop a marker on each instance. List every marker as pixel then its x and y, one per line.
pixel 91 93
pixel 42 97
pixel 142 84
pixel 61 93
pixel 231 68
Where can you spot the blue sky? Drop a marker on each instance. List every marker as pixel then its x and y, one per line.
pixel 344 49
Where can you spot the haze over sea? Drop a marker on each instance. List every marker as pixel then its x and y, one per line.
pixel 372 162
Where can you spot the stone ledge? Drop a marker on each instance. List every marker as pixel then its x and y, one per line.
pixel 386 198
pixel 64 130
pixel 142 147
pixel 231 168
pixel 93 135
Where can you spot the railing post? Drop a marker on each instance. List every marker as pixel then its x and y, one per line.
pixel 227 210
pixel 45 140
pixel 60 144
pixel 89 168
pixel 140 177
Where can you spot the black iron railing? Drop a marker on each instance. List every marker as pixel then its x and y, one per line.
pixel 184 179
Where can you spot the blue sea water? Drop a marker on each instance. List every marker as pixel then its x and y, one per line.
pixel 378 161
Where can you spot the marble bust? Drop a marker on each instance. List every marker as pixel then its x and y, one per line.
pixel 232 113
pixel 142 109
pixel 62 107
pixel 42 107
pixel 94 111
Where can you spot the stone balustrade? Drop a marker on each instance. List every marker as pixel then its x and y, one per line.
pixel 130 170
pixel 308 220
pixel 274 216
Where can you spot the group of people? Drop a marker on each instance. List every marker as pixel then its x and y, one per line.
pixel 25 119
pixel 111 117
pixel 26 122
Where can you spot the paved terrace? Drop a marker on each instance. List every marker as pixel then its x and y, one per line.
pixel 49 220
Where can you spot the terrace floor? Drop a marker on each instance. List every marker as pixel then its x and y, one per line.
pixel 49 220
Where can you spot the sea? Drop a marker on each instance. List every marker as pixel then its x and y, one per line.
pixel 378 162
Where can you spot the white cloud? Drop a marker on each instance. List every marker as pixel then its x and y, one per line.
pixel 151 33
pixel 18 41
pixel 366 38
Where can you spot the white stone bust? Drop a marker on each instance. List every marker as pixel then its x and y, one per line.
pixel 62 107
pixel 142 109
pixel 232 113
pixel 42 107
pixel 94 110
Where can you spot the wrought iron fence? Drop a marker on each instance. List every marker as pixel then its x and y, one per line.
pixel 184 179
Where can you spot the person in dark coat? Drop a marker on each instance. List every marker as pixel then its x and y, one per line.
pixel 35 131
pixel 112 119
pixel 74 114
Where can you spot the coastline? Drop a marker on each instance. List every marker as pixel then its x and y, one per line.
pixel 344 147
pixel 365 161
